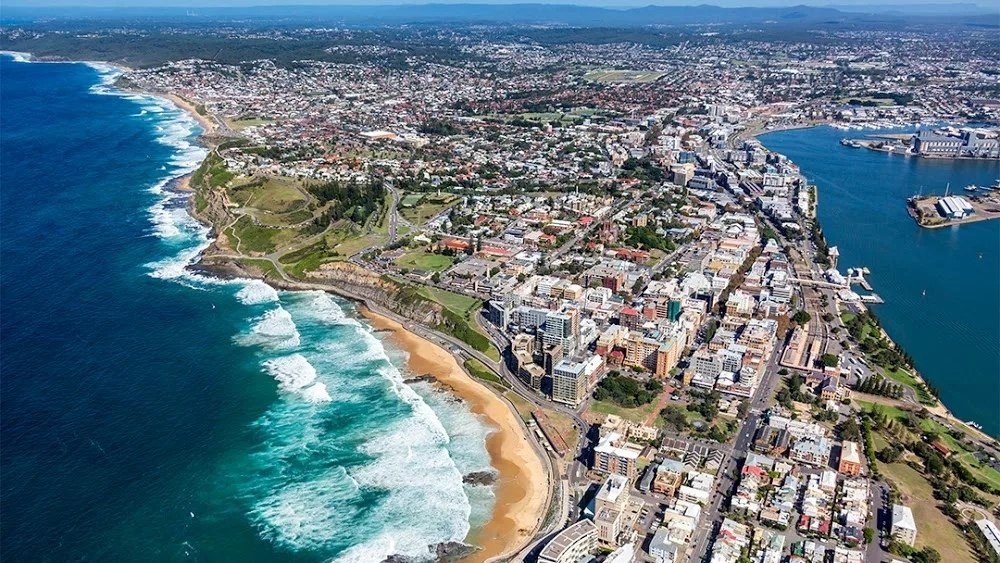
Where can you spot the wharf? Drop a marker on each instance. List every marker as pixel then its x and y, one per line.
pixel 924 210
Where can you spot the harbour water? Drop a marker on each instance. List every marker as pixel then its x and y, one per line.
pixel 941 286
pixel 148 413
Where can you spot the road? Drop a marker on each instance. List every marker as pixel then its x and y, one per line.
pixel 730 465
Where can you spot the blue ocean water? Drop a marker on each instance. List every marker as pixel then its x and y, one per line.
pixel 941 286
pixel 148 413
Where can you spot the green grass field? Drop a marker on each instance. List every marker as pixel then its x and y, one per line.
pixel 421 213
pixel 254 238
pixel 240 124
pixel 638 414
pixel 904 377
pixel 626 76
pixel 277 195
pixel 348 240
pixel 980 470
pixel 264 266
pixel 933 527
pixel 462 306
pixel 888 410
pixel 411 200
pixel 427 261
pixel 480 371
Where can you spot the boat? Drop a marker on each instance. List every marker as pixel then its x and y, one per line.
pixel 971 188
pixel 974 424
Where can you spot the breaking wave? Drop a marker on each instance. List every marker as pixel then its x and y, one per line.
pixel 349 462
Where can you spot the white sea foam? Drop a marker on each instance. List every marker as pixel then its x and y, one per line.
pixel 426 502
pixel 295 374
pixel 256 292
pixel 402 491
pixel 275 330
pixel 308 514
pixel 17 56
pixel 323 308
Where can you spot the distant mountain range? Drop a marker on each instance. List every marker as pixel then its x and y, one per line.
pixel 522 14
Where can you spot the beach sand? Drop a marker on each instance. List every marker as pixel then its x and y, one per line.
pixel 522 483
pixel 206 123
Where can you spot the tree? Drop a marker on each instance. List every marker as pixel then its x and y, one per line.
pixel 850 431
pixel 869 534
pixel 829 360
pixel 674 416
pixel 436 278
pixel 743 409
pixel 801 317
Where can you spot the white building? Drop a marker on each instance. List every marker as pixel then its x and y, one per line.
pixel 904 528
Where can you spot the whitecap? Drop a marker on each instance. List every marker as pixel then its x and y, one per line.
pixel 295 374
pixel 17 56
pixel 274 330
pixel 256 292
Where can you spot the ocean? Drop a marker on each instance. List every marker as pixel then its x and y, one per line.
pixel 941 286
pixel 150 413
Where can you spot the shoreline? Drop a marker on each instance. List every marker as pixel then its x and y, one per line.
pixel 941 409
pixel 521 489
pixel 208 126
pixel 521 483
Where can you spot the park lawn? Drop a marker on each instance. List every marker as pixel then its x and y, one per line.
pixel 480 371
pixel 637 414
pixel 463 306
pixel 980 469
pixel 294 219
pixel 255 238
pixel 459 304
pixel 277 195
pixel 904 377
pixel 427 261
pixel 423 212
pixel 348 239
pixel 265 266
pixel 383 215
pixel 879 441
pixel 929 425
pixel 933 527
pixel 410 200
pixel 240 124
pixel 889 410
pixel 521 405
pixel 847 316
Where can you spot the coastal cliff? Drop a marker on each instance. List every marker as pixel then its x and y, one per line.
pixel 403 299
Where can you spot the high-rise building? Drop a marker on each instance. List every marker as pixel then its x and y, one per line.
pixel 613 455
pixel 609 509
pixel 667 356
pixel 904 528
pixel 572 380
pixel 640 351
pixel 558 330
pixel 572 544
pixel 551 356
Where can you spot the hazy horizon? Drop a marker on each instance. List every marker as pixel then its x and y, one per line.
pixel 623 4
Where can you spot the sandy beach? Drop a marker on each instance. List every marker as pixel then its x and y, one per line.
pixel 206 123
pixel 522 484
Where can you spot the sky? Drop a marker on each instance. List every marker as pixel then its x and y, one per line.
pixel 602 3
